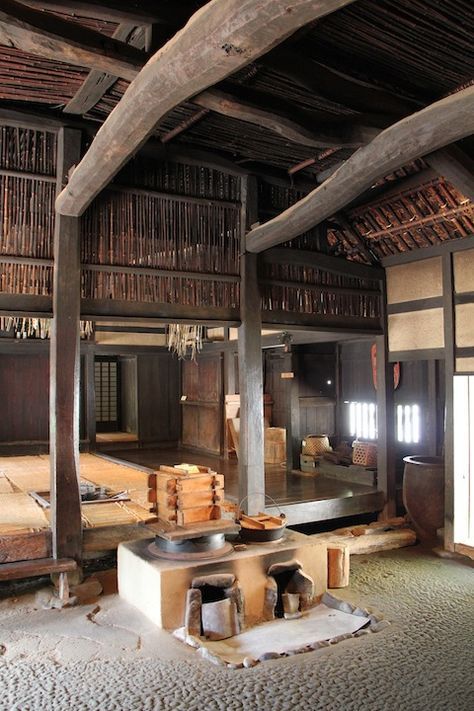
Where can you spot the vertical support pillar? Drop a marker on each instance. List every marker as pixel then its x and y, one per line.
pixel 449 369
pixel 90 396
pixel 293 440
pixel 251 450
pixel 65 368
pixel 229 384
pixel 386 469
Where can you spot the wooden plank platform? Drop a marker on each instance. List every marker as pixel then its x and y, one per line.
pixel 35 568
pixel 24 525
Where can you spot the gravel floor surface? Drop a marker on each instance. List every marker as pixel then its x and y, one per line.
pixel 108 658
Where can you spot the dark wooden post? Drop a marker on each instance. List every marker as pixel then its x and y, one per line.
pixel 386 469
pixel 449 369
pixel 229 384
pixel 89 395
pixel 65 368
pixel 293 441
pixel 251 449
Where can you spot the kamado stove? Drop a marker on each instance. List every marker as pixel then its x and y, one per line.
pixel 190 575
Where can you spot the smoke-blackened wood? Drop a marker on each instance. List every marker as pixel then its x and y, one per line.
pixel 65 370
pixel 54 38
pixel 441 123
pixel 219 39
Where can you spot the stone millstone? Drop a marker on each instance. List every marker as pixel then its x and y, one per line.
pixel 218 580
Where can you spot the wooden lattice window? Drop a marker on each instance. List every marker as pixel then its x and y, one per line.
pixel 107 391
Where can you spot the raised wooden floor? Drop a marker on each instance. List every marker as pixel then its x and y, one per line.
pixel 304 499
pixel 24 524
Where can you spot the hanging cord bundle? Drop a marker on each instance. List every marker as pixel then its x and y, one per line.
pixel 185 341
pixel 37 327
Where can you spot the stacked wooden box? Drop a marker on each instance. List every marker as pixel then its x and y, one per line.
pixel 189 494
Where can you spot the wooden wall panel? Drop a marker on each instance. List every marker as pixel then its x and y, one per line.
pixel 158 397
pixel 356 372
pixel 202 411
pixel 464 325
pixel 464 271
pixel 24 393
pixel 417 330
pixel 415 280
pixel 128 394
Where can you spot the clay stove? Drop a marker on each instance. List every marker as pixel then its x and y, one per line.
pixel 159 586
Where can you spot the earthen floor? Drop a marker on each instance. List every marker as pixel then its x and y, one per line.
pixel 107 656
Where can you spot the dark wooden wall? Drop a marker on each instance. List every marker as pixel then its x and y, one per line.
pixel 202 410
pixel 150 392
pixel 128 394
pixel 314 365
pixel 158 398
pixel 24 394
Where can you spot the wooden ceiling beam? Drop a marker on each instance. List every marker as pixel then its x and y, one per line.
pixel 98 83
pixel 49 36
pixel 318 260
pixel 351 136
pixel 456 166
pixel 434 127
pixel 219 39
pixel 341 89
pixel 142 13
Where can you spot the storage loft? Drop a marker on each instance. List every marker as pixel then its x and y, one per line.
pixel 315 271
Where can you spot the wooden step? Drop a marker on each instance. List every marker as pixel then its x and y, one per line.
pixel 34 568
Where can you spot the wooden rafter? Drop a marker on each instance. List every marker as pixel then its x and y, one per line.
pixel 54 38
pixel 339 88
pixel 98 83
pixel 456 166
pixel 326 137
pixel 118 11
pixel 277 120
pixel 219 39
pixel 434 127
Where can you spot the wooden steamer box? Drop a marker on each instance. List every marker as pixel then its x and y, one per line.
pixel 189 494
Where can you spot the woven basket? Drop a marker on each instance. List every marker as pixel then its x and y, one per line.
pixel 365 454
pixel 314 445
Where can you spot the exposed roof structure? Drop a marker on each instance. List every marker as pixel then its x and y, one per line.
pixel 341 79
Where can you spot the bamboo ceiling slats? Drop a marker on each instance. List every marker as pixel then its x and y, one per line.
pixel 415 218
pixel 420 46
pixel 302 289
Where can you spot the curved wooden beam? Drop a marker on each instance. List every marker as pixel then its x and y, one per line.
pixel 328 137
pixel 52 37
pixel 219 39
pixel 438 125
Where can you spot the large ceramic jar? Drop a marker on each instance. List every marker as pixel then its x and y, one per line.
pixel 423 494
